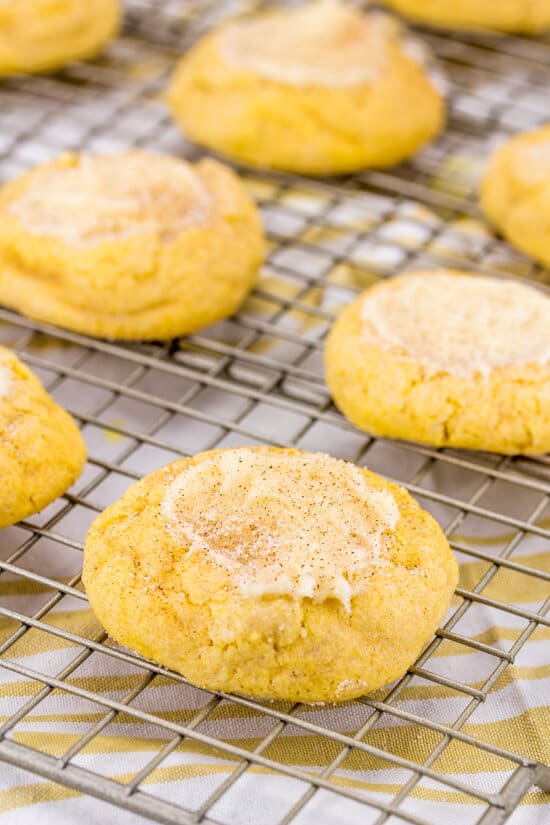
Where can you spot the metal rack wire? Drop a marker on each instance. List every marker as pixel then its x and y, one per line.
pixel 257 378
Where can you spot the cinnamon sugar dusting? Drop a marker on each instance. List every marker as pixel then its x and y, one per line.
pixel 299 524
pixel 104 198
pixel 324 43
pixel 459 324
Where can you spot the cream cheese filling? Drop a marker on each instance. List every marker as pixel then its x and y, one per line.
pixel 301 524
pixel 324 43
pixel 108 198
pixel 459 324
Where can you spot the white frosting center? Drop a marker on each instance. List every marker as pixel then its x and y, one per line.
pixel 321 44
pixel 104 198
pixel 460 324
pixel 303 525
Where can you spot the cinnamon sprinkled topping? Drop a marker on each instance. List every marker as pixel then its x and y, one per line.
pixel 460 324
pixel 324 43
pixel 112 197
pixel 299 524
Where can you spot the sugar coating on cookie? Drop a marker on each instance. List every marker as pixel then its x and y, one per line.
pixel 251 513
pixel 107 198
pixel 141 245
pixel 270 572
pixel 459 324
pixel 42 451
pixel 446 358
pixel 40 35
pixel 515 192
pixel 528 16
pixel 320 44
pixel 531 163
pixel 319 89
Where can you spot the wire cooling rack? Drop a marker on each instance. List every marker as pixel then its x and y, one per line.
pixel 257 378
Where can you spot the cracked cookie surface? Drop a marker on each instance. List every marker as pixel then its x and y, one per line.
pixel 41 449
pixel 136 245
pixel 38 36
pixel 323 89
pixel 515 192
pixel 270 572
pixel 446 358
pixel 528 16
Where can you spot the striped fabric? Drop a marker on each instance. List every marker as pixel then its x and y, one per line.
pixel 515 716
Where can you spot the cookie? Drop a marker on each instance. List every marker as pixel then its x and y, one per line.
pixel 446 358
pixel 41 450
pixel 515 192
pixel 38 36
pixel 321 89
pixel 269 572
pixel 527 16
pixel 136 245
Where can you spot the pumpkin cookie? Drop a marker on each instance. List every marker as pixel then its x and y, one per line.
pixel 274 573
pixel 528 16
pixel 38 35
pixel 446 358
pixel 321 89
pixel 515 192
pixel 136 245
pixel 41 450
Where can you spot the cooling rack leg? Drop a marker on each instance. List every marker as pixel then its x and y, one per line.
pixel 524 778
